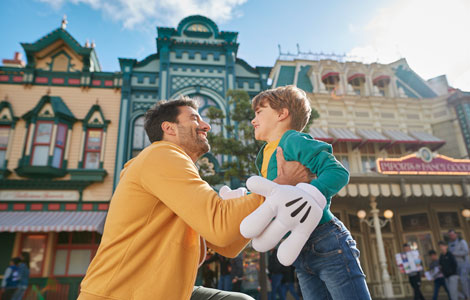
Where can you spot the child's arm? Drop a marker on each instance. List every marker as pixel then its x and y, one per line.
pixel 318 157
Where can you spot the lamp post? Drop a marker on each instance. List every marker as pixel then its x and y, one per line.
pixel 377 224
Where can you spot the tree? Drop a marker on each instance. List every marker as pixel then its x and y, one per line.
pixel 240 148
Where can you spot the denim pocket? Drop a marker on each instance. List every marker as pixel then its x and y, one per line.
pixel 355 253
pixel 328 245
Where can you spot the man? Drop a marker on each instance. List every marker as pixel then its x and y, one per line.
pixel 414 278
pixel 459 248
pixel 237 273
pixel 162 215
pixel 449 270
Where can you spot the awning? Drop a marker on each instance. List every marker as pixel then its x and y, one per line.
pixel 428 139
pixel 344 135
pixel 328 74
pixel 52 221
pixel 372 136
pixel 381 77
pixel 400 137
pixel 356 75
pixel 320 134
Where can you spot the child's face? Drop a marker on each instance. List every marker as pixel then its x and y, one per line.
pixel 264 122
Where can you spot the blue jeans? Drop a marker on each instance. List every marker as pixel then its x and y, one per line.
pixel 225 283
pixel 276 286
pixel 328 266
pixel 438 282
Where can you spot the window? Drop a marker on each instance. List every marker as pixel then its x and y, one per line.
pixel 198 28
pixel 4 136
pixel 93 148
pixel 45 152
pixel 423 243
pixel 74 252
pixel 357 83
pixel 140 140
pixel 382 83
pixel 368 158
pixel 394 151
pixel 331 81
pixel 35 244
pixel 340 151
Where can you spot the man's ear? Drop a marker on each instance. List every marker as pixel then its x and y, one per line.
pixel 169 128
pixel 283 114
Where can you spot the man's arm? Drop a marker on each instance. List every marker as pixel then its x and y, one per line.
pixel 169 174
pixel 461 250
pixel 317 156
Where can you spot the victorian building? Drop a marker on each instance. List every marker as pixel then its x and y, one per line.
pixel 59 116
pixel 405 143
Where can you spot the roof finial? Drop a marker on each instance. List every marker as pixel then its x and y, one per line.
pixel 97 101
pixel 64 22
pixel 93 44
pixel 48 91
pixel 87 44
pixel 6 97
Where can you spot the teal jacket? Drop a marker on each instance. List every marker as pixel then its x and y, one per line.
pixel 316 156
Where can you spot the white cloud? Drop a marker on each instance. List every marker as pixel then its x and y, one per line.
pixel 139 14
pixel 430 34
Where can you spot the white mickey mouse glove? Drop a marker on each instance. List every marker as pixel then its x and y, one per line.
pixel 227 193
pixel 297 209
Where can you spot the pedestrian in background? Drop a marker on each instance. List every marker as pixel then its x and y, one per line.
pixel 414 278
pixel 11 279
pixel 276 274
pixel 23 270
pixel 449 270
pixel 459 248
pixel 237 272
pixel 435 271
pixel 288 281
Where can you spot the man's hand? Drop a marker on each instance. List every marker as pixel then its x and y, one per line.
pixel 297 209
pixel 291 172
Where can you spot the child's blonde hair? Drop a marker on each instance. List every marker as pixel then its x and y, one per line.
pixel 290 97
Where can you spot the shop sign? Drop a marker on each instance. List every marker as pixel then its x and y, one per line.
pixel 38 195
pixel 423 162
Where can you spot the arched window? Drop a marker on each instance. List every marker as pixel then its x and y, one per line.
pixel 357 82
pixel 140 139
pixel 331 81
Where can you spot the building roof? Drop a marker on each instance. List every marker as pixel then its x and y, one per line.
pixel 373 136
pixel 320 134
pixel 344 135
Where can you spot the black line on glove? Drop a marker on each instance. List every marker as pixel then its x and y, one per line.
pixel 293 202
pixel 296 212
pixel 306 215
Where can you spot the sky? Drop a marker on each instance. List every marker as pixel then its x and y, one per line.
pixel 431 34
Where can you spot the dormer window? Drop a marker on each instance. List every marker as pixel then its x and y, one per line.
pixel 331 81
pixel 382 83
pixel 357 82
pixel 49 128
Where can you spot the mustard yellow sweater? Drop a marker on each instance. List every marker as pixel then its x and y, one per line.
pixel 152 240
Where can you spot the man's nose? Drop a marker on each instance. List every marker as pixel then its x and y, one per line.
pixel 206 126
pixel 253 122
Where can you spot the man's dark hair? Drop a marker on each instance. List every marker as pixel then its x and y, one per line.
pixel 406 245
pixel 442 243
pixel 432 252
pixel 165 110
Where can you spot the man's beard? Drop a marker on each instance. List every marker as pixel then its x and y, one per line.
pixel 192 142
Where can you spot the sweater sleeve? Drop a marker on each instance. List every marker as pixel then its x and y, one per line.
pixel 461 250
pixel 317 156
pixel 5 277
pixel 231 250
pixel 169 174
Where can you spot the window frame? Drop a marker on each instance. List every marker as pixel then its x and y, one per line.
pixel 22 244
pixel 69 247
pixel 34 144
pixel 86 150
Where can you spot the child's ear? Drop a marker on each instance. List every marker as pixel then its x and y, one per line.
pixel 169 128
pixel 283 114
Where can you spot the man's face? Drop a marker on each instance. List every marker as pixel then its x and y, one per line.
pixel 452 235
pixel 192 131
pixel 264 121
pixel 433 256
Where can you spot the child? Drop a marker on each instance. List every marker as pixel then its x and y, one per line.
pixel 328 265
pixel 435 271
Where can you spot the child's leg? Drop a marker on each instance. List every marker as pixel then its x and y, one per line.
pixel 311 286
pixel 332 258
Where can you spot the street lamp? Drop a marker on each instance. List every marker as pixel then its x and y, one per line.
pixel 377 224
pixel 466 214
